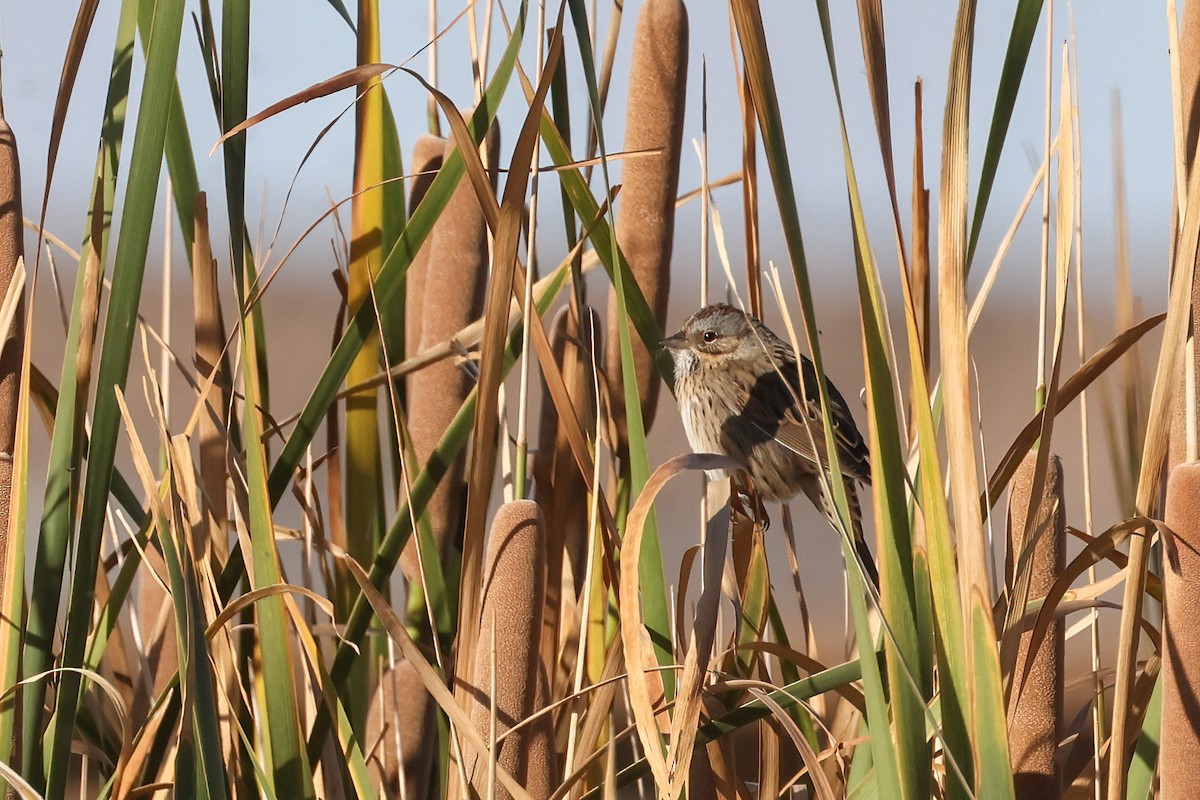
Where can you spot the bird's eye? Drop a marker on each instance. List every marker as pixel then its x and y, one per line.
pixel 710 336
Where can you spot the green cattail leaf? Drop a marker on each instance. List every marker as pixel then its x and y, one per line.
pixel 651 575
pixel 898 600
pixel 59 510
pixel 128 268
pixel 752 37
pixel 1020 39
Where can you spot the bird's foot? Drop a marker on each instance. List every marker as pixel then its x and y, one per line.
pixel 749 505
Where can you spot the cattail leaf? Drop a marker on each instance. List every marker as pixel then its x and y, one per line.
pixel 128 268
pixel 80 31
pixel 355 766
pixel 887 462
pixel 752 38
pixel 984 687
pixel 411 238
pixel 343 80
pixel 1144 767
pixel 59 507
pixel 287 757
pixel 1020 40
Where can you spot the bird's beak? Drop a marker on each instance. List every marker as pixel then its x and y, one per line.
pixel 676 341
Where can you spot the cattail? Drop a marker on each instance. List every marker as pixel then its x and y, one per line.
pixel 514 584
pixel 426 158
pixel 401 721
pixel 646 210
pixel 451 299
pixel 1036 719
pixel 541 764
pixel 209 341
pixel 561 488
pixel 11 355
pixel 1189 80
pixel 1179 759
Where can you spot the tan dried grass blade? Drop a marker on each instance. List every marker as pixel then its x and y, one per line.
pixel 637 657
pixel 210 340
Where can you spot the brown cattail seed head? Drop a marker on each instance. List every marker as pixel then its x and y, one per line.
pixel 1036 719
pixel 1179 759
pixel 426 158
pixel 11 249
pixel 402 722
pixel 452 299
pixel 646 209
pixel 514 584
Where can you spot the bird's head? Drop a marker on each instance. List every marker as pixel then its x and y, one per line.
pixel 713 335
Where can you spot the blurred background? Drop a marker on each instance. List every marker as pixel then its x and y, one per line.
pixel 1123 61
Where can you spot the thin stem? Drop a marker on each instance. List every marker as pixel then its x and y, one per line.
pixel 1043 299
pixel 704 190
pixel 435 125
pixel 527 322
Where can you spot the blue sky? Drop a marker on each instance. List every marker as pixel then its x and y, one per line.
pixel 1122 49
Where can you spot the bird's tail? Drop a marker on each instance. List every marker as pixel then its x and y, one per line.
pixel 825 503
pixel 856 534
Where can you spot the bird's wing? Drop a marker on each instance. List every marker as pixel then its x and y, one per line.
pixel 794 433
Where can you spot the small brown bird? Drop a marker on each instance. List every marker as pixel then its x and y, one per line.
pixel 739 393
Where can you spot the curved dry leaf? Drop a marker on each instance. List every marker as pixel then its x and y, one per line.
pixel 819 780
pixel 629 595
pixel 250 598
pixel 343 80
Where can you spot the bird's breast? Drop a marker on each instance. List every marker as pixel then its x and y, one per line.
pixel 698 422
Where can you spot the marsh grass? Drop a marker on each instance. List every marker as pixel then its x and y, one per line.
pixel 537 647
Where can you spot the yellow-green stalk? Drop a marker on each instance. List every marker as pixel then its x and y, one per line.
pixel 12 356
pixel 362 463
